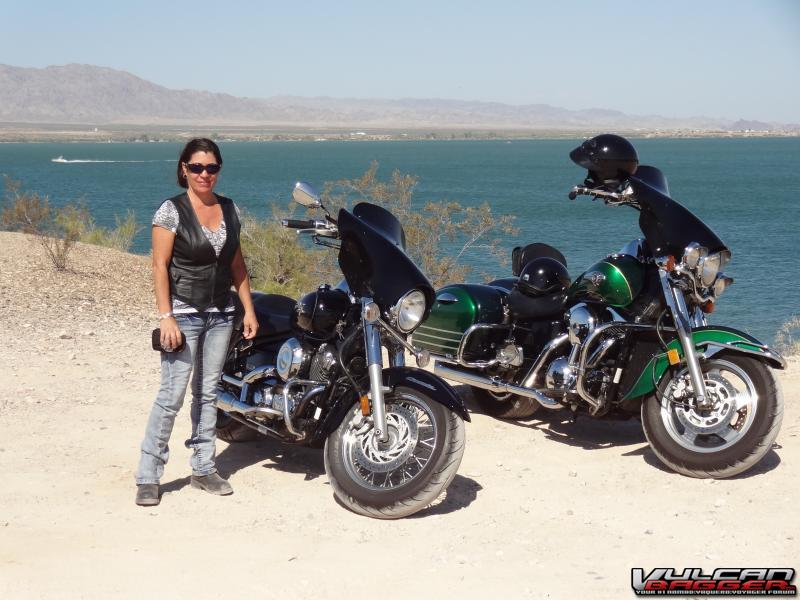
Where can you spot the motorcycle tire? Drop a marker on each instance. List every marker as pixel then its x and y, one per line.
pixel 232 431
pixel 504 406
pixel 391 481
pixel 730 437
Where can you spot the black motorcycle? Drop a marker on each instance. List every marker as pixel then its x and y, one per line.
pixel 629 336
pixel 393 437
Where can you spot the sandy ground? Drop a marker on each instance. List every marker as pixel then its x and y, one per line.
pixel 541 509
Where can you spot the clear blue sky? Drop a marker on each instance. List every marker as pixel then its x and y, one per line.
pixel 718 58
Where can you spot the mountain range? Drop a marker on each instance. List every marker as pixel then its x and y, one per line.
pixel 86 94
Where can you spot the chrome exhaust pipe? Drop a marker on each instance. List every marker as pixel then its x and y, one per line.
pixel 229 403
pixel 493 385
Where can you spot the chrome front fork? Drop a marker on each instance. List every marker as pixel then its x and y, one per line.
pixel 372 339
pixel 681 316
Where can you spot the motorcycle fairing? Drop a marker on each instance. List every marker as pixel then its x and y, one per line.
pixel 372 257
pixel 667 225
pixel 708 341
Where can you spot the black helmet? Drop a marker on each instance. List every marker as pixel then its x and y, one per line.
pixel 543 276
pixel 609 158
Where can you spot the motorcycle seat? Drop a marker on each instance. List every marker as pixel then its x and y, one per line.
pixel 527 308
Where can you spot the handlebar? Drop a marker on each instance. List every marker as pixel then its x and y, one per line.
pixel 304 224
pixel 613 197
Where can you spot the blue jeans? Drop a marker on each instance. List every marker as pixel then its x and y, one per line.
pixel 207 337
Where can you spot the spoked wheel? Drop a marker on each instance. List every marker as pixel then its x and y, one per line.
pixel 403 475
pixel 728 437
pixel 504 405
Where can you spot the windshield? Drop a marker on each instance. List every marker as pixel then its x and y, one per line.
pixel 373 259
pixel 668 226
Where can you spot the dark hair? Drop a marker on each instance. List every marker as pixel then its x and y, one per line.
pixel 192 146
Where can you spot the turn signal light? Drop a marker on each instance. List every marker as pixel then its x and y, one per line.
pixel 670 264
pixel 673 357
pixel 708 307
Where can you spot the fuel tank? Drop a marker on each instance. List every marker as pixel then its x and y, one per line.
pixel 457 308
pixel 614 281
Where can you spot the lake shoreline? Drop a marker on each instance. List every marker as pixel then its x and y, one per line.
pixel 124 133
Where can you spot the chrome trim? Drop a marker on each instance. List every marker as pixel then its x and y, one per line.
pixel 395 310
pixel 479 364
pixel 287 416
pixel 290 359
pixel 599 403
pixel 259 373
pixel 417 352
pixel 447 298
pixel 229 403
pixel 530 379
pixel 372 343
pixel 601 351
pixel 492 384
pixel 680 316
pixel 458 334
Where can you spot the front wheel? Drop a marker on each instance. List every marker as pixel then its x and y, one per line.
pixel 729 437
pixel 405 474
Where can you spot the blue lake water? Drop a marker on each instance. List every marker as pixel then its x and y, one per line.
pixel 746 189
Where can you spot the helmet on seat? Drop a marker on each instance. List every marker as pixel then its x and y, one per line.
pixel 543 276
pixel 609 158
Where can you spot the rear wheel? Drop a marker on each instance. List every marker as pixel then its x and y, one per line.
pixel 232 431
pixel 505 405
pixel 405 474
pixel 727 438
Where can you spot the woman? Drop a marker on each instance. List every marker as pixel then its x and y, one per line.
pixel 196 258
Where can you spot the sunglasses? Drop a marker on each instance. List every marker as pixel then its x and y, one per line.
pixel 198 168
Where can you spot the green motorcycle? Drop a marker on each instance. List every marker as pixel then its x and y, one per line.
pixel 628 336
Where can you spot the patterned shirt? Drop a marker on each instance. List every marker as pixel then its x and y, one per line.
pixel 167 217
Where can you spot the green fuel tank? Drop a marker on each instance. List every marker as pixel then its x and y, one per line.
pixel 614 281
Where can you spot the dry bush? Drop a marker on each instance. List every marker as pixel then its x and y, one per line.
pixel 786 341
pixel 440 235
pixel 57 230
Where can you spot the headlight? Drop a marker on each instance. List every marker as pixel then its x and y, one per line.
pixel 710 267
pixel 721 284
pixel 409 311
pixel 693 253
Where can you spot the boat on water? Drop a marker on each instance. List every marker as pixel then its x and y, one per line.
pixel 59 159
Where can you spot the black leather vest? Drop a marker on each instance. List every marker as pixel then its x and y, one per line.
pixel 197 275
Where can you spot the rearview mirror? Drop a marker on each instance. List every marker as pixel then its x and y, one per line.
pixel 306 195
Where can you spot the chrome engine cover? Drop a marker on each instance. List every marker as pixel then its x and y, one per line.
pixel 582 321
pixel 560 376
pixel 290 360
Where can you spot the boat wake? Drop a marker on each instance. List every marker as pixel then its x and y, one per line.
pixel 61 159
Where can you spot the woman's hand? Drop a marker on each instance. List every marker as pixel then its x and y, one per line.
pixel 250 325
pixel 170 334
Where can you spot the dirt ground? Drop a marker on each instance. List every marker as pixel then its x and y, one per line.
pixel 545 508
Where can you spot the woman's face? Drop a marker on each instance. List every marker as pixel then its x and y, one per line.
pixel 204 182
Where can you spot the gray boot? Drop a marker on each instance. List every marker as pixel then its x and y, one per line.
pixel 213 484
pixel 147 494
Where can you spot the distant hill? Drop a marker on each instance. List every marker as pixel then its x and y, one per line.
pixel 103 96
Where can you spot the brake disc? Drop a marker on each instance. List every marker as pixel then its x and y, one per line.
pixel 371 454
